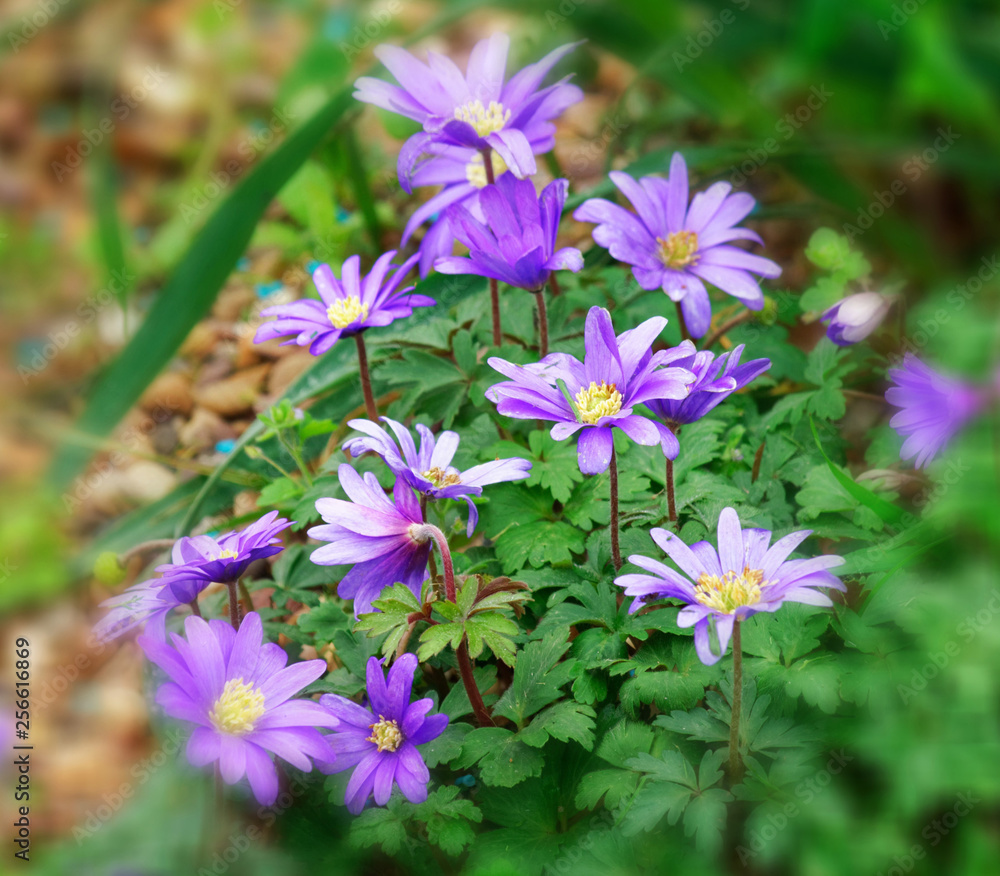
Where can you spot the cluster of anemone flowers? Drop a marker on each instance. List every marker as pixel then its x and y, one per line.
pixel 481 131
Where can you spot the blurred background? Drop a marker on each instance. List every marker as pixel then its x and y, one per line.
pixel 167 169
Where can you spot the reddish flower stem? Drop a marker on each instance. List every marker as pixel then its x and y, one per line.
pixel 494 287
pixel 195 610
pixel 366 381
pixel 685 334
pixel 671 499
pixel 616 551
pixel 543 325
pixel 425 531
pixel 234 605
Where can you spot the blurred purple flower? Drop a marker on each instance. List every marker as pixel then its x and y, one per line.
pixel 197 561
pixel 238 691
pixel 374 534
pixel 597 395
pixel 715 380
pixel 934 408
pixel 429 470
pixel 677 248
pixel 517 242
pixel 381 741
pixel 349 305
pixel 855 317
pixel 475 110
pixel 743 577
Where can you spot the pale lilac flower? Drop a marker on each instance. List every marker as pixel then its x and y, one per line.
pixel 934 408
pixel 855 317
pixel 475 109
pixel 373 533
pixel 381 741
pixel 680 248
pixel 517 242
pixel 744 576
pixel 599 394
pixel 349 305
pixel 239 692
pixel 197 561
pixel 429 470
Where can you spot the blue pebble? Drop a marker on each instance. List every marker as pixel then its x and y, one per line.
pixel 466 781
pixel 266 289
pixel 225 446
pixel 342 214
pixel 312 265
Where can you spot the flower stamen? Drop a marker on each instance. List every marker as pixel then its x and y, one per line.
pixel 732 591
pixel 386 734
pixel 347 311
pixel 679 249
pixel 441 478
pixel 484 119
pixel 238 709
pixel 595 401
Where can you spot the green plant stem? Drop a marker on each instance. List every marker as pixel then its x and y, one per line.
pixel 366 380
pixel 234 605
pixel 729 325
pixel 735 761
pixel 295 452
pixel 616 552
pixel 543 325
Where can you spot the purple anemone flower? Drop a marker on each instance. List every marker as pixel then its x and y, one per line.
pixel 855 317
pixel 349 306
pixel 475 110
pixel 380 742
pixel 744 576
pixel 715 380
pixel 599 394
pixel 517 243
pixel 239 693
pixel 429 470
pixel 374 534
pixel 680 249
pixel 934 408
pixel 197 561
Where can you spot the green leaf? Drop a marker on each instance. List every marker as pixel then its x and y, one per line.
pixel 448 818
pixel 540 543
pixel 503 759
pixel 382 827
pixel 564 721
pixel 195 282
pixel 538 679
pixel 279 493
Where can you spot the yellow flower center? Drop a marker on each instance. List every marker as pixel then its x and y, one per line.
pixel 228 554
pixel 485 119
pixel 440 478
pixel 679 250
pixel 596 401
pixel 346 311
pixel 733 590
pixel 386 734
pixel 475 170
pixel 238 709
